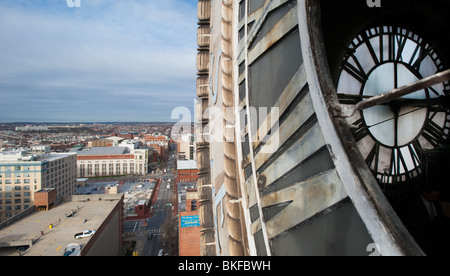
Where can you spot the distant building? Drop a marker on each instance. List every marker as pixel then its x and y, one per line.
pixel 125 135
pixel 100 143
pixel 111 161
pixel 45 199
pixel 157 139
pixel 23 173
pixel 115 140
pixel 112 189
pixel 32 128
pixel 187 171
pixel 159 142
pixel 186 147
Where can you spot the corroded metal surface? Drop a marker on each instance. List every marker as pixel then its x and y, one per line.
pixel 282 164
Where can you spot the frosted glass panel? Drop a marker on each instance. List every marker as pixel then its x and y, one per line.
pixel 384 123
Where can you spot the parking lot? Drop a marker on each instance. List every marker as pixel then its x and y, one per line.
pixel 128 186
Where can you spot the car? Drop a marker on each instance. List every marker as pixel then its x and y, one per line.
pixel 161 252
pixel 73 249
pixel 150 236
pixel 84 234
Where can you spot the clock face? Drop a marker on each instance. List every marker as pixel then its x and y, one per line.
pixel 392 136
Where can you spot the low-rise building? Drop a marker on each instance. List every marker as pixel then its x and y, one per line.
pixel 52 232
pixel 186 147
pixel 111 161
pixel 187 171
pixel 189 225
pixel 159 142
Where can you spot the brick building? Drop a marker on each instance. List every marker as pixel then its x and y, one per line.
pixel 187 171
pixel 189 226
pixel 159 142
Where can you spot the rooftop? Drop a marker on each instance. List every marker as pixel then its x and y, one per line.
pixel 23 155
pixel 115 138
pixel 186 165
pixel 101 151
pixel 92 208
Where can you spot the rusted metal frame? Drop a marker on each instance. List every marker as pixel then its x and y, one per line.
pixel 301 207
pixel 295 86
pixel 268 6
pixel 307 141
pixel 382 222
pixel 279 30
pixel 243 161
pixel 401 91
pixel 240 104
pixel 254 194
pixel 295 120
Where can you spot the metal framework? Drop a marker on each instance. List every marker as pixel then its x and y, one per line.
pixel 281 172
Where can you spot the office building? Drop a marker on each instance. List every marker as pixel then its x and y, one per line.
pixel 25 171
pixel 186 147
pixel 111 161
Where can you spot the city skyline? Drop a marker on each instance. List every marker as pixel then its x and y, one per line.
pixel 105 61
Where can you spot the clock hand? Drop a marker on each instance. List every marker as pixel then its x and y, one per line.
pixel 401 91
pixel 401 102
pixel 441 101
pixel 396 116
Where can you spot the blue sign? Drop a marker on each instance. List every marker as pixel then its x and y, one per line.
pixel 190 221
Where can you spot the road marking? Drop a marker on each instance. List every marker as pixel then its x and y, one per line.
pixel 136 225
pixel 59 247
pixel 154 231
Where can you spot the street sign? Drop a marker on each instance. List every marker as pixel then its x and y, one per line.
pixel 190 221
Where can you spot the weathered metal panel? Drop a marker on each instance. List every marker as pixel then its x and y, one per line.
pixel 308 143
pixel 277 25
pixel 272 72
pixel 296 86
pixel 302 112
pixel 305 199
pixel 290 200
pixel 338 231
pixel 380 220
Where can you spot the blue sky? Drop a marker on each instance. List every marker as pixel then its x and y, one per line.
pixel 108 60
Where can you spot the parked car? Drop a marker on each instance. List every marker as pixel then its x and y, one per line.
pixel 73 249
pixel 161 252
pixel 84 234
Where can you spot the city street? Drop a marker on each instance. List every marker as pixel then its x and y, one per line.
pixel 149 234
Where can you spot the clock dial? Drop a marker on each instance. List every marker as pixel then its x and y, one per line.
pixel 392 136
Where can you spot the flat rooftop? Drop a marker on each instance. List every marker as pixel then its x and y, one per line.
pixel 38 158
pixel 88 215
pixel 186 164
pixel 102 151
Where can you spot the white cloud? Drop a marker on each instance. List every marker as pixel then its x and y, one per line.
pixel 107 51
